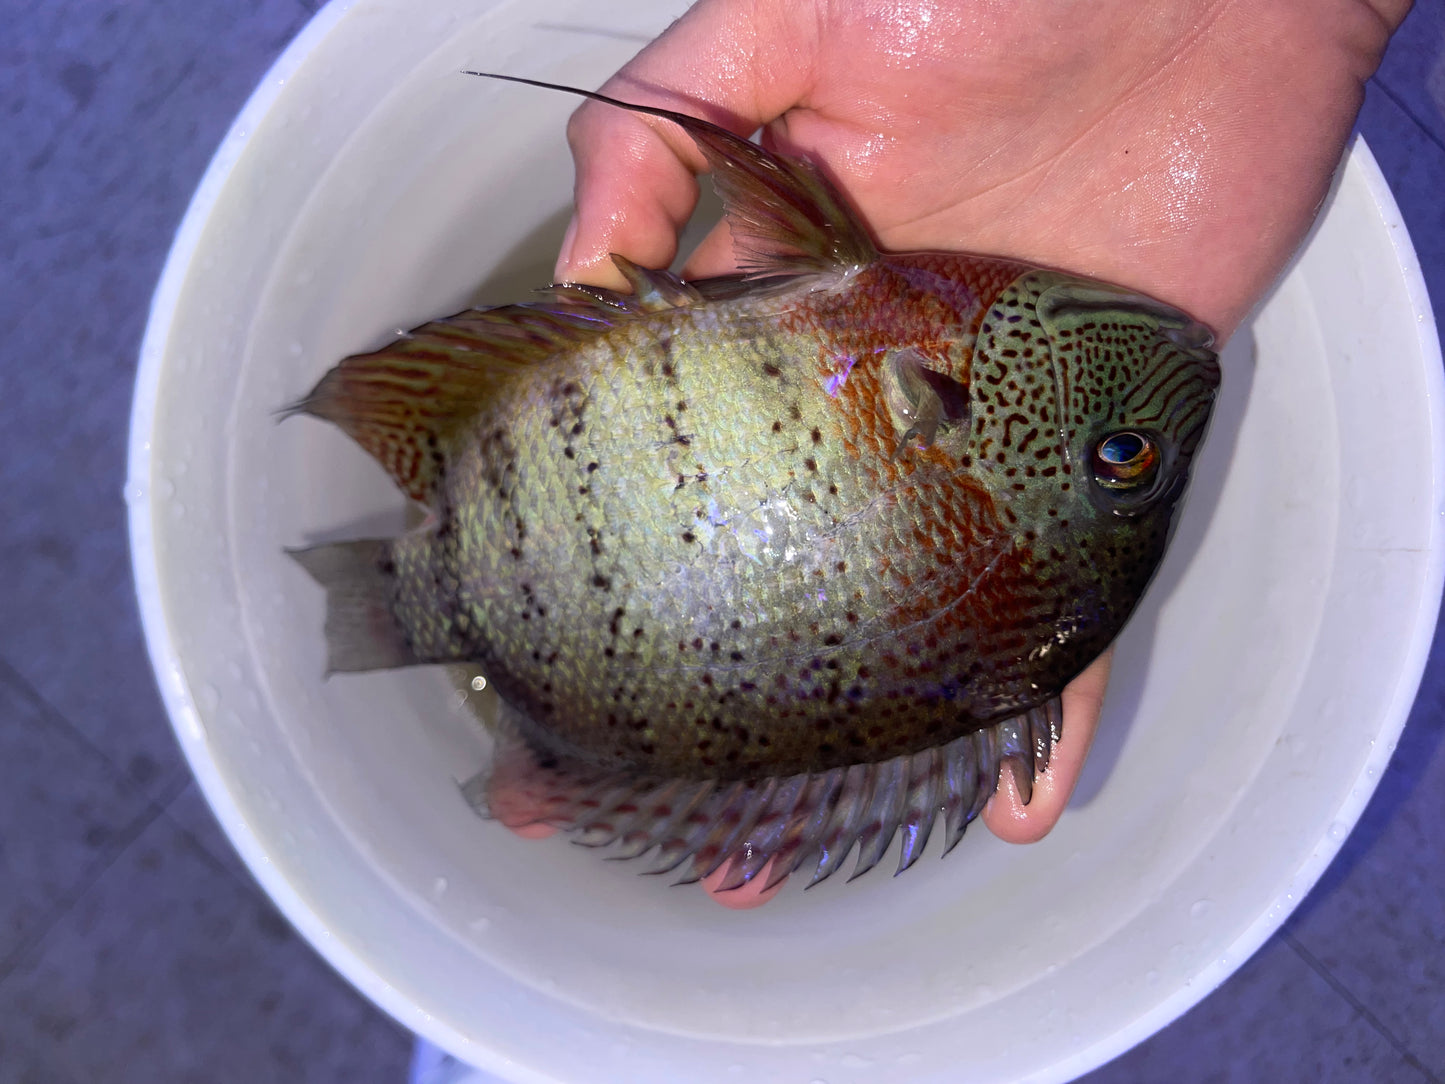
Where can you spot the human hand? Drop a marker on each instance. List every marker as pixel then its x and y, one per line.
pixel 1180 149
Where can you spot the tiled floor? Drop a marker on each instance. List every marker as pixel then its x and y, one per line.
pixel 133 946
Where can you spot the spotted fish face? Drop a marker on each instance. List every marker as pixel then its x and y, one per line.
pixel 1088 402
pixel 1136 381
pixel 1089 396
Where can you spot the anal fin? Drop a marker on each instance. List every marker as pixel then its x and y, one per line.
pixel 781 824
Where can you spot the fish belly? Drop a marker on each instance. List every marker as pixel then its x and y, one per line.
pixel 680 561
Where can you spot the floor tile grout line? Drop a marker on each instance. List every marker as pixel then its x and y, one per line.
pixel 10 675
pixel 127 837
pixel 204 851
pixel 152 807
pixel 1318 967
pixel 1399 104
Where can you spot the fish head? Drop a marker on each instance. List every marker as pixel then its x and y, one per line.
pixel 1135 381
pixel 1088 402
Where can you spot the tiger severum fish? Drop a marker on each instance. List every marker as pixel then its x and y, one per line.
pixel 768 565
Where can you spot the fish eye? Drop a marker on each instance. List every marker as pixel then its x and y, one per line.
pixel 1125 460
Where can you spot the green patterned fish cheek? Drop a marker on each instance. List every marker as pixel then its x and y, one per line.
pixel 1088 402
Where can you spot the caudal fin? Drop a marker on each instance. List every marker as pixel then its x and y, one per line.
pixel 362 632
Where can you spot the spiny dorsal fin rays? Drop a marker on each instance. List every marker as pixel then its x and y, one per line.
pixel 656 290
pixel 785 216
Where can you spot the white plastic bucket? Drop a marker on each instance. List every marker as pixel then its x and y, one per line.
pixel 1257 695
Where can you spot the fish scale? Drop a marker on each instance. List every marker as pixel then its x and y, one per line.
pixel 817 545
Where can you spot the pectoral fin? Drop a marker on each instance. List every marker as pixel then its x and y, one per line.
pixel 923 400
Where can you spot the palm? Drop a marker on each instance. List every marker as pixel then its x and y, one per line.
pixel 1110 138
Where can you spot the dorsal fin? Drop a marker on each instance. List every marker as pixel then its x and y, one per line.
pixel 403 403
pixel 656 290
pixel 786 217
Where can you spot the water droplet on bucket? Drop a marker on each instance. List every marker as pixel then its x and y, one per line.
pixel 1151 978
pixel 210 697
pixel 134 492
pixel 479 683
pixel 480 924
pixel 165 489
pixel 855 1061
pixel 439 888
pixel 1200 908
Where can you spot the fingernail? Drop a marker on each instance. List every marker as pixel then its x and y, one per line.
pixel 564 255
